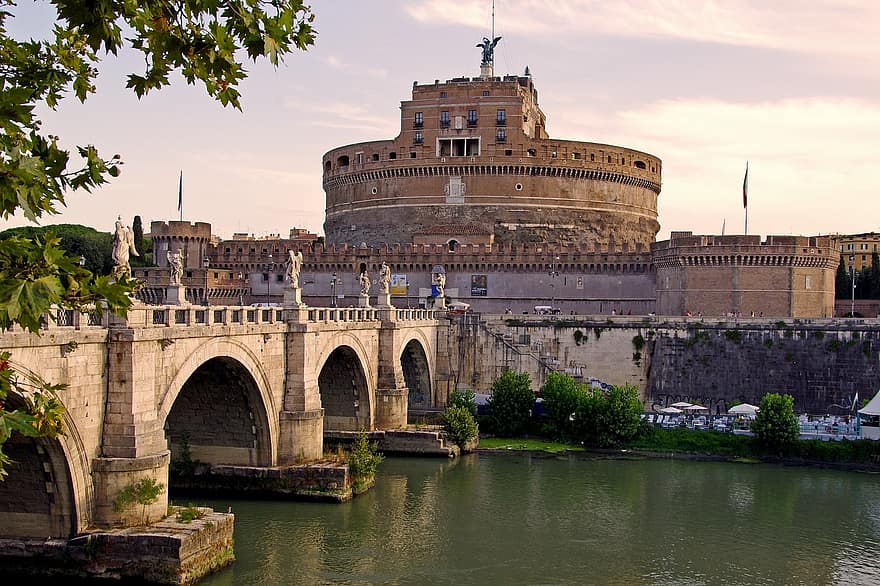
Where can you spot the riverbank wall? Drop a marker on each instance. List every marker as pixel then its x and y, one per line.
pixel 166 552
pixel 825 364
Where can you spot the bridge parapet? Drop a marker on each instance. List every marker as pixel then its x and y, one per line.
pixel 358 314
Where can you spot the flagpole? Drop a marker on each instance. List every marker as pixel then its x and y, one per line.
pixel 180 196
pixel 746 198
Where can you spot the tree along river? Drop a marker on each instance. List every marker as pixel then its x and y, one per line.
pixel 520 519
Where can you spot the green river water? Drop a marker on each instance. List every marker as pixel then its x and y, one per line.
pixel 520 519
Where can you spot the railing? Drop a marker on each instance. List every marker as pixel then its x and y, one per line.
pixel 176 316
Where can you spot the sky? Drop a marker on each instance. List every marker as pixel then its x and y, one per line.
pixel 791 87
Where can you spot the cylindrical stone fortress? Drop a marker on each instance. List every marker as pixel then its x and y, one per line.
pixel 474 154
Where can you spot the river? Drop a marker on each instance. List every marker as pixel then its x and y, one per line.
pixel 520 519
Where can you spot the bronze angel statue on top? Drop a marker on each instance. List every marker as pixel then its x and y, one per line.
pixel 488 49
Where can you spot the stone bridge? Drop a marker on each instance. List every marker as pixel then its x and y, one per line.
pixel 238 385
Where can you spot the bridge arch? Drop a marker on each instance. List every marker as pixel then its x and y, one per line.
pixel 220 403
pixel 48 491
pixel 346 392
pixel 417 372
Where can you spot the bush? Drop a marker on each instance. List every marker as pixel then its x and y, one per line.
pixel 460 425
pixel 608 419
pixel 511 403
pixel 561 394
pixel 144 492
pixel 363 461
pixel 776 425
pixel 464 399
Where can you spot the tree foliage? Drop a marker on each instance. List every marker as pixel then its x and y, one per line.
pixel 363 461
pixel 464 398
pixel 776 425
pixel 460 425
pixel 78 241
pixel 200 39
pixel 609 417
pixel 561 396
pixel 511 403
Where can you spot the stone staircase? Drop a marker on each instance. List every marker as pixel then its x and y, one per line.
pixel 419 442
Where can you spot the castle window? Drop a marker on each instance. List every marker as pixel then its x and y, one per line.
pixel 412 154
pixel 592 157
pixel 419 120
pixel 392 155
pixel 500 135
pixel 375 156
pixel 640 165
pixel 532 152
pixel 453 244
pixel 265 277
pixel 444 95
pixel 359 157
pixel 575 156
pixel 508 152
pixel 808 282
pixel 444 119
pixel 342 161
pixel 609 159
pixel 485 93
pixel 501 118
pixel 326 166
pixel 418 139
pixel 458 147
pixel 472 118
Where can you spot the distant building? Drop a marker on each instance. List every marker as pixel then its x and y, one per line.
pixel 856 249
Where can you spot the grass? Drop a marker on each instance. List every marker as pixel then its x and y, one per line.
pixel 737 448
pixel 527 445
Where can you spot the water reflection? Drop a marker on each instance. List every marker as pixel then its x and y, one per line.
pixel 516 519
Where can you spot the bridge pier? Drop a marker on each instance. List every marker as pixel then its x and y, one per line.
pixel 392 393
pixel 300 436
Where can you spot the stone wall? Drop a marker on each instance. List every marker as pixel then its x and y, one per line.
pixel 821 363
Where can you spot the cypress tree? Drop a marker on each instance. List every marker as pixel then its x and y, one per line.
pixel 841 281
pixel 138 229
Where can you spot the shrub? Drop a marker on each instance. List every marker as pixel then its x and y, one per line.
pixel 638 342
pixel 511 403
pixel 363 461
pixel 561 394
pixel 460 425
pixel 189 513
pixel 144 492
pixel 776 425
pixel 733 335
pixel 608 418
pixel 464 398
pixel 578 337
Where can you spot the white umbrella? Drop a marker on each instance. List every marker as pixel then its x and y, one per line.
pixel 743 409
pixel 681 405
pixel 670 410
pixel 695 408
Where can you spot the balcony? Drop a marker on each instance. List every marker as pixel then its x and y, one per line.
pixel 444 124
pixel 472 123
pixel 501 122
pixel 418 124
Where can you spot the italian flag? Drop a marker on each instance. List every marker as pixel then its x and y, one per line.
pixel 746 187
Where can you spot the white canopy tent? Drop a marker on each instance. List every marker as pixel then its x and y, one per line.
pixel 743 409
pixel 869 419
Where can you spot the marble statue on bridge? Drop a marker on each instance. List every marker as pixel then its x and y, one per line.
pixel 175 262
pixel 365 283
pixel 123 246
pixel 385 278
pixel 294 266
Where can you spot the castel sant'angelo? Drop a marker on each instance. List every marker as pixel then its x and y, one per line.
pixel 474 186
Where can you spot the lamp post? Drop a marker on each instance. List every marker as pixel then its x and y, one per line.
pixel 333 291
pixel 240 286
pixel 852 271
pixel 268 278
pixel 207 264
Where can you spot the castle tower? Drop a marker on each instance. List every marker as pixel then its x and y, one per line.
pixel 475 153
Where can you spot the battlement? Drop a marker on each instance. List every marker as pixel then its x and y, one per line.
pixel 180 229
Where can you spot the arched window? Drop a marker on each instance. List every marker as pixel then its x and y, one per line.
pixel 453 244
pixel 342 161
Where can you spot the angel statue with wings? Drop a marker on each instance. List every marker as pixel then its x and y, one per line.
pixel 123 246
